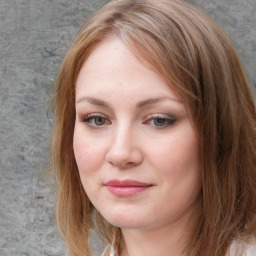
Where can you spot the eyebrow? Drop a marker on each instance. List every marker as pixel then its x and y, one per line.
pixel 151 101
pixel 155 100
pixel 94 101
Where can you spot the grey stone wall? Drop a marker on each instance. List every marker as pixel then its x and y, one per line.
pixel 34 36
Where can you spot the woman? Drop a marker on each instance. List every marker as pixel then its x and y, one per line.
pixel 154 139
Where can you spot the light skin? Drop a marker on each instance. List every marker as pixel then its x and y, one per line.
pixel 130 125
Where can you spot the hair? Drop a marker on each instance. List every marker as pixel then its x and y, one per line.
pixel 194 56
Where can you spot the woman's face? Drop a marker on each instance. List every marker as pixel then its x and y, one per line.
pixel 134 144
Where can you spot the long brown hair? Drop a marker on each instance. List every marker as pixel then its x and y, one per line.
pixel 190 51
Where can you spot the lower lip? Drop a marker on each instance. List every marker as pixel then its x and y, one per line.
pixel 127 191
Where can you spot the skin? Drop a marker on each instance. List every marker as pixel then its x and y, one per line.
pixel 130 124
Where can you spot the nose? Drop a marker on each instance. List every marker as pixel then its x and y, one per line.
pixel 124 152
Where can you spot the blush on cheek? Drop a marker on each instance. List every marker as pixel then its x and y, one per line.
pixel 88 158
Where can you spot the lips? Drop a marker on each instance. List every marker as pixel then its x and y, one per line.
pixel 126 188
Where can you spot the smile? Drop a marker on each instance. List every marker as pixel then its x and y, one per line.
pixel 126 188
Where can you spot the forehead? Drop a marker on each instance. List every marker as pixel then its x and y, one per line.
pixel 112 67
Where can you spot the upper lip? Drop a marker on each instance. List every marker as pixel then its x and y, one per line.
pixel 126 183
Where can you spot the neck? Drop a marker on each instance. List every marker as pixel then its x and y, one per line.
pixel 168 240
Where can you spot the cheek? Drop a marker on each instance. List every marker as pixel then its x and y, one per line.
pixel 180 154
pixel 88 154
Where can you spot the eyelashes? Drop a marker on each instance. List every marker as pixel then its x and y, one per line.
pixel 158 121
pixel 95 120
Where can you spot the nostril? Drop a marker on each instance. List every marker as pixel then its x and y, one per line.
pixel 124 159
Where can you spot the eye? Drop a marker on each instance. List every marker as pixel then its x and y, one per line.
pixel 95 120
pixel 160 121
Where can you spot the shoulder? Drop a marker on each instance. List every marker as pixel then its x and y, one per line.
pixel 243 248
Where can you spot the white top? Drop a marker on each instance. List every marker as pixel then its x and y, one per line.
pixel 237 248
pixel 112 252
pixel 243 248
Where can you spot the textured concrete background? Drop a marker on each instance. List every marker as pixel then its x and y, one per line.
pixel 34 36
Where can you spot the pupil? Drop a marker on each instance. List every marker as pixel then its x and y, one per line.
pixel 99 121
pixel 159 121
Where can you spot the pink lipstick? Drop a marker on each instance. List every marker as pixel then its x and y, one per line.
pixel 126 188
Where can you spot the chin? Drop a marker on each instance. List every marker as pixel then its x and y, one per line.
pixel 130 221
pixel 127 224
